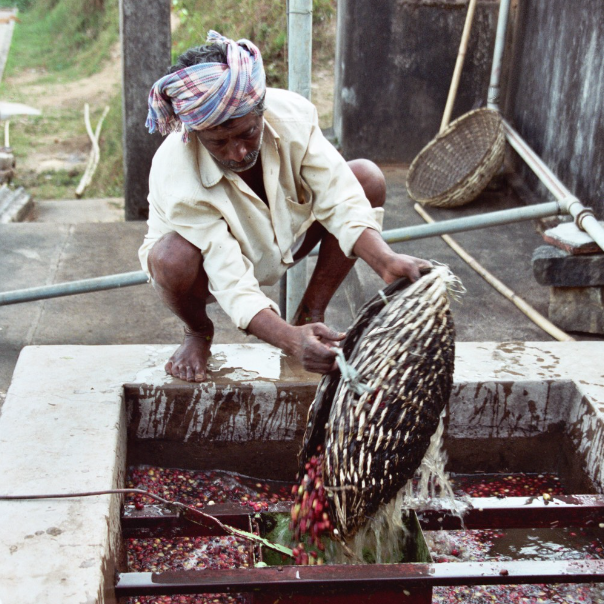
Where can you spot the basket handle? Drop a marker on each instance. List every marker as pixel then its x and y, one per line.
pixel 461 55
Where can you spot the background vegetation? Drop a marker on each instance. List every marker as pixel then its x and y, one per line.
pixel 58 42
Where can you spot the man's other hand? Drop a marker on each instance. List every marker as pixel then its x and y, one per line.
pixel 312 344
pixel 315 345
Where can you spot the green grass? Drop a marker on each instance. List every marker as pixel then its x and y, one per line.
pixel 53 184
pixel 64 39
pixel 262 22
pixel 61 41
pixel 31 134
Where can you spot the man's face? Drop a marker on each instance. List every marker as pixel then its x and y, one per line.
pixel 235 144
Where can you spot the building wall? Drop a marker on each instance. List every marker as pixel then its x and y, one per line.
pixel 556 92
pixel 394 64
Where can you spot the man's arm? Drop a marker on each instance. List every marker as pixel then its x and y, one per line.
pixel 384 261
pixel 311 344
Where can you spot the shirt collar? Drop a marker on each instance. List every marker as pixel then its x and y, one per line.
pixel 211 172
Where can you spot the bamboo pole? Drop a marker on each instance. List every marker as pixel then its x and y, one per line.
pixel 503 289
pixel 461 55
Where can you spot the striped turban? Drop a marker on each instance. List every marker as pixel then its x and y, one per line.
pixel 208 94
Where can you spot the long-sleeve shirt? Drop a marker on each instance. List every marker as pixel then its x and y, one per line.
pixel 244 242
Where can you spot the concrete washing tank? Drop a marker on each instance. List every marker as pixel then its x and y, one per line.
pixel 76 416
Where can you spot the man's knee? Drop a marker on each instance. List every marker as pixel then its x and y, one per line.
pixel 372 180
pixel 174 263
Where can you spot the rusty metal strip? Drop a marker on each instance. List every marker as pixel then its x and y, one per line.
pixel 554 511
pixel 332 579
pixel 489 512
pixel 158 521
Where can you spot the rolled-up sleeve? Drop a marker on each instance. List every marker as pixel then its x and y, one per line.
pixel 339 202
pixel 230 273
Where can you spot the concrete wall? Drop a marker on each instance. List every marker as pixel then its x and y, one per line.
pixel 556 95
pixel 146 53
pixel 394 64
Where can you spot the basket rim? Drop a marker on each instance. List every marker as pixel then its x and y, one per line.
pixel 451 128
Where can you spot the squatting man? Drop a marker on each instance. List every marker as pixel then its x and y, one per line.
pixel 243 187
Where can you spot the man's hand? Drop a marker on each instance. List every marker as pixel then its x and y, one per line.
pixel 312 344
pixel 315 347
pixel 401 265
pixel 387 264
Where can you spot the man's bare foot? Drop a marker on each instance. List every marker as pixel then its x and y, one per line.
pixel 189 361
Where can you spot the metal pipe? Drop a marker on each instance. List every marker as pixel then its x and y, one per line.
pixel 584 217
pixel 83 286
pixel 353 583
pixel 502 24
pixel 299 55
pixel 468 223
pixel 299 51
pixel 420 231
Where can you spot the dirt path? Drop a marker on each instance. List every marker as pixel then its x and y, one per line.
pixel 64 151
pixel 61 150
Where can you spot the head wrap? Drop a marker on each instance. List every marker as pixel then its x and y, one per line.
pixel 208 94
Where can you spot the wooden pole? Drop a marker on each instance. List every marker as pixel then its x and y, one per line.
pixel 461 55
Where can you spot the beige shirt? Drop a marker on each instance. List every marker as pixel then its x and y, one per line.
pixel 244 243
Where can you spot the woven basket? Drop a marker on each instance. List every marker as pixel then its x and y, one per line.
pixel 459 163
pixel 373 442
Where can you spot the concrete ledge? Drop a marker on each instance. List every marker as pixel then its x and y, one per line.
pixel 74 211
pixel 556 267
pixel 15 204
pixel 63 429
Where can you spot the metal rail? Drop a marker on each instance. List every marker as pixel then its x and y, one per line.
pixel 84 286
pixel 410 233
pixel 556 511
pixel 334 579
pixel 389 579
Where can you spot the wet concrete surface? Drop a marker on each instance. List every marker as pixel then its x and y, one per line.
pixel 34 254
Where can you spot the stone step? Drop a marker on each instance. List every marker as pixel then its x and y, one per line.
pixel 15 204
pixel 76 211
pixel 577 309
pixel 559 268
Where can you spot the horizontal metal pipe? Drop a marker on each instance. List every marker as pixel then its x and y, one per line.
pixel 421 231
pixel 468 223
pixel 286 581
pixel 83 286
pixel 583 216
